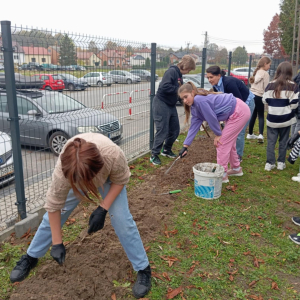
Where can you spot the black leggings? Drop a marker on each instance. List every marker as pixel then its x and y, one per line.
pixel 258 110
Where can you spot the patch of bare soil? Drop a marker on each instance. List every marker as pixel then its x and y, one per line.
pixel 94 262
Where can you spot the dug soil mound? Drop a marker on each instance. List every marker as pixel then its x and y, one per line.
pixel 94 262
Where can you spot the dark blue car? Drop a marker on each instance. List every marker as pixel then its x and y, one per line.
pixel 73 83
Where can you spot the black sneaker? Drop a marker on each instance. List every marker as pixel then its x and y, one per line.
pixel 143 283
pixel 169 154
pixel 295 237
pixel 23 267
pixel 155 160
pixel 296 220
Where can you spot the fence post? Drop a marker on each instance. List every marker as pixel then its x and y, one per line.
pixel 229 62
pixel 152 91
pixel 13 115
pixel 249 71
pixel 203 67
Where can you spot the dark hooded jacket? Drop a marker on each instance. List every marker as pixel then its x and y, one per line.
pixel 168 87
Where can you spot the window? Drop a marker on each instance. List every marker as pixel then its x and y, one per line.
pixel 45 77
pixel 43 59
pixel 118 61
pixel 16 56
pixel 88 75
pixel 24 106
pixel 95 74
pixel 32 59
pixel 3 104
pixel 36 78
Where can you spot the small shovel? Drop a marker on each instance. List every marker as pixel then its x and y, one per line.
pixel 172 165
pixel 171 192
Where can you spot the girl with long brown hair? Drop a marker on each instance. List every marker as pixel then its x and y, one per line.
pixel 259 81
pixel 281 95
pixel 213 108
pixel 91 167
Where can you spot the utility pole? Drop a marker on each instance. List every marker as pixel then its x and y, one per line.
pixel 205 40
pixel 188 46
pixel 296 35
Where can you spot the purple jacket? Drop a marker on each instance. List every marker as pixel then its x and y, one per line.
pixel 211 108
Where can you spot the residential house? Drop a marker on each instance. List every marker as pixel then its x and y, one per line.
pixel 113 58
pixel 18 55
pixel 175 57
pixel 137 60
pixel 146 53
pixel 54 52
pixel 37 54
pixel 88 58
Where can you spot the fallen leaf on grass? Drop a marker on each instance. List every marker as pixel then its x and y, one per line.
pixel 190 271
pixel 173 293
pixel 154 274
pixel 194 247
pixel 131 167
pixel 253 283
pixel 247 227
pixel 231 187
pixel 147 248
pixel 247 253
pixel 113 296
pixel 166 276
pixel 256 262
pixel 233 273
pixel 70 221
pixel 255 234
pixel 181 295
pixel 223 242
pixel 255 297
pixel 231 278
pixel 274 286
pixel 298 202
pixel 169 259
pixel 140 178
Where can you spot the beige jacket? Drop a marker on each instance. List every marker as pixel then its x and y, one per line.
pixel 261 81
pixel 115 167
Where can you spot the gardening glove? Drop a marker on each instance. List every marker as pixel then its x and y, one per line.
pixel 183 149
pixel 97 219
pixel 292 140
pixel 58 252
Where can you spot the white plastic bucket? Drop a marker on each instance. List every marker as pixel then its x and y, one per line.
pixel 208 184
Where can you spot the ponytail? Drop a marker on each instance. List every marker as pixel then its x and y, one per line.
pixel 261 63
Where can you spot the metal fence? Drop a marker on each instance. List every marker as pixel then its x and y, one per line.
pixel 85 84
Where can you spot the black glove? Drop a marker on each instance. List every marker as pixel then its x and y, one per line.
pixel 292 140
pixel 97 219
pixel 183 149
pixel 290 160
pixel 58 252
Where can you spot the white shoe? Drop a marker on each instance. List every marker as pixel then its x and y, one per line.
pixel 281 166
pixel 251 136
pixel 269 167
pixel 296 178
pixel 260 138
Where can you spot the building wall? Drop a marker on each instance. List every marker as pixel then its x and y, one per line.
pixel 41 59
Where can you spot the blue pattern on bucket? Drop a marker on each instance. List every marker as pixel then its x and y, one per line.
pixel 205 191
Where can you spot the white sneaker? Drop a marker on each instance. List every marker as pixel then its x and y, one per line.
pixel 260 138
pixel 296 178
pixel 281 166
pixel 251 136
pixel 269 167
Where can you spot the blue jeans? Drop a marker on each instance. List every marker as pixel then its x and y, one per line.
pixel 240 142
pixel 121 220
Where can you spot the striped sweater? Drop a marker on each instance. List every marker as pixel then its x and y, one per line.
pixel 295 152
pixel 280 110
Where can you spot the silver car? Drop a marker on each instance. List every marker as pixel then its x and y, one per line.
pixel 98 78
pixel 124 77
pixel 48 119
pixel 6 160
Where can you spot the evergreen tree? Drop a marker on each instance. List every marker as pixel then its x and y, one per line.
pixel 239 56
pixel 67 53
pixel 147 64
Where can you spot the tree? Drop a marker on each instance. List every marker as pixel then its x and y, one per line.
pixel 286 24
pixel 272 39
pixel 111 45
pixel 221 57
pixel 239 56
pixel 129 51
pixel 147 64
pixel 93 47
pixel 67 53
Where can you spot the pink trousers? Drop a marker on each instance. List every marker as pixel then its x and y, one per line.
pixel 226 152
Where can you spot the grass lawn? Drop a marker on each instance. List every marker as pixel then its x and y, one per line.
pixel 235 247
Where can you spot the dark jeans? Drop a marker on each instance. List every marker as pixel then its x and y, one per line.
pixel 167 126
pixel 272 135
pixel 258 110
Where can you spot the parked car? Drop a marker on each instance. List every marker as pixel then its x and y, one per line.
pixel 196 79
pixel 98 78
pixel 124 77
pixel 23 82
pixel 49 119
pixel 78 68
pixel 31 66
pixel 65 68
pixel 73 83
pixel 6 160
pixel 52 82
pixel 242 71
pixel 143 74
pixel 49 67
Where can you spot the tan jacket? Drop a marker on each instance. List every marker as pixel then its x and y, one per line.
pixel 261 81
pixel 115 167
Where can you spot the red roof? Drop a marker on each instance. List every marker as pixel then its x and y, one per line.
pixel 35 51
pixel 144 50
pixel 84 55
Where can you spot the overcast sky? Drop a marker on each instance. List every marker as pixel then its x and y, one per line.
pixel 169 23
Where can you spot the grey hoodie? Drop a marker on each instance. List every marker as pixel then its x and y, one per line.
pixel 261 81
